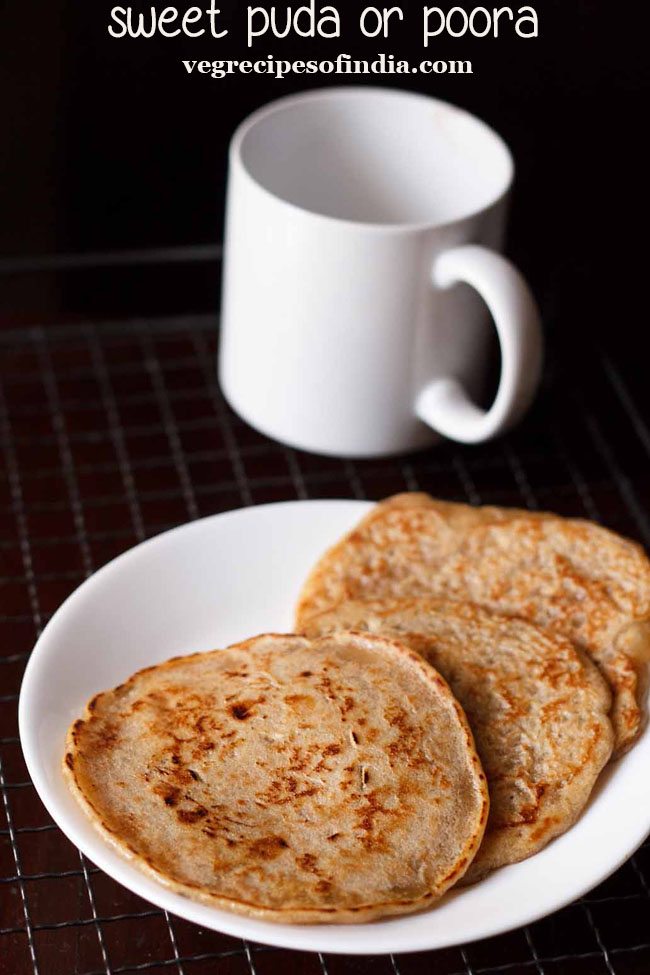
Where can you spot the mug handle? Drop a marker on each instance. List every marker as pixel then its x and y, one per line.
pixel 443 404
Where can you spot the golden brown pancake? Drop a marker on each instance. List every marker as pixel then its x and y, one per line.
pixel 570 576
pixel 286 778
pixel 537 706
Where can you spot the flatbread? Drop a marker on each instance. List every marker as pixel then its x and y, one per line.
pixel 290 779
pixel 568 575
pixel 537 706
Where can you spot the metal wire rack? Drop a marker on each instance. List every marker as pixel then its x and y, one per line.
pixel 112 433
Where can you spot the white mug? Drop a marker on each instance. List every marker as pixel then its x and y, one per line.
pixel 356 220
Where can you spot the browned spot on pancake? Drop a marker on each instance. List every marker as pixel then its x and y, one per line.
pixel 366 821
pixel 108 736
pixel 268 847
pixel 240 711
pixel 325 685
pixel 202 721
pixel 69 760
pixel 332 749
pixel 543 828
pixel 308 862
pixel 168 793
pixel 304 701
pixel 282 791
pixel 307 673
pixel 529 811
pixel 333 836
pixel 191 815
pixel 300 759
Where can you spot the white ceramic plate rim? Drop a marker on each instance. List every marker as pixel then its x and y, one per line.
pixel 615 823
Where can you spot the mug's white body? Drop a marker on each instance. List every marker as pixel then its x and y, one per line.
pixel 331 328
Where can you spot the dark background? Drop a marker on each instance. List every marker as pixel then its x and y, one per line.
pixel 110 147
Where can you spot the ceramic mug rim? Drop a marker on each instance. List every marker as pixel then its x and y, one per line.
pixel 278 105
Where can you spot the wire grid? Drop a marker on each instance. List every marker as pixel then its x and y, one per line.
pixel 113 433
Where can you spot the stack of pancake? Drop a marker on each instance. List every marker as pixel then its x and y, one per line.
pixel 449 661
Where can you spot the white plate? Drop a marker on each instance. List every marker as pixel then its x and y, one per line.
pixel 224 578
